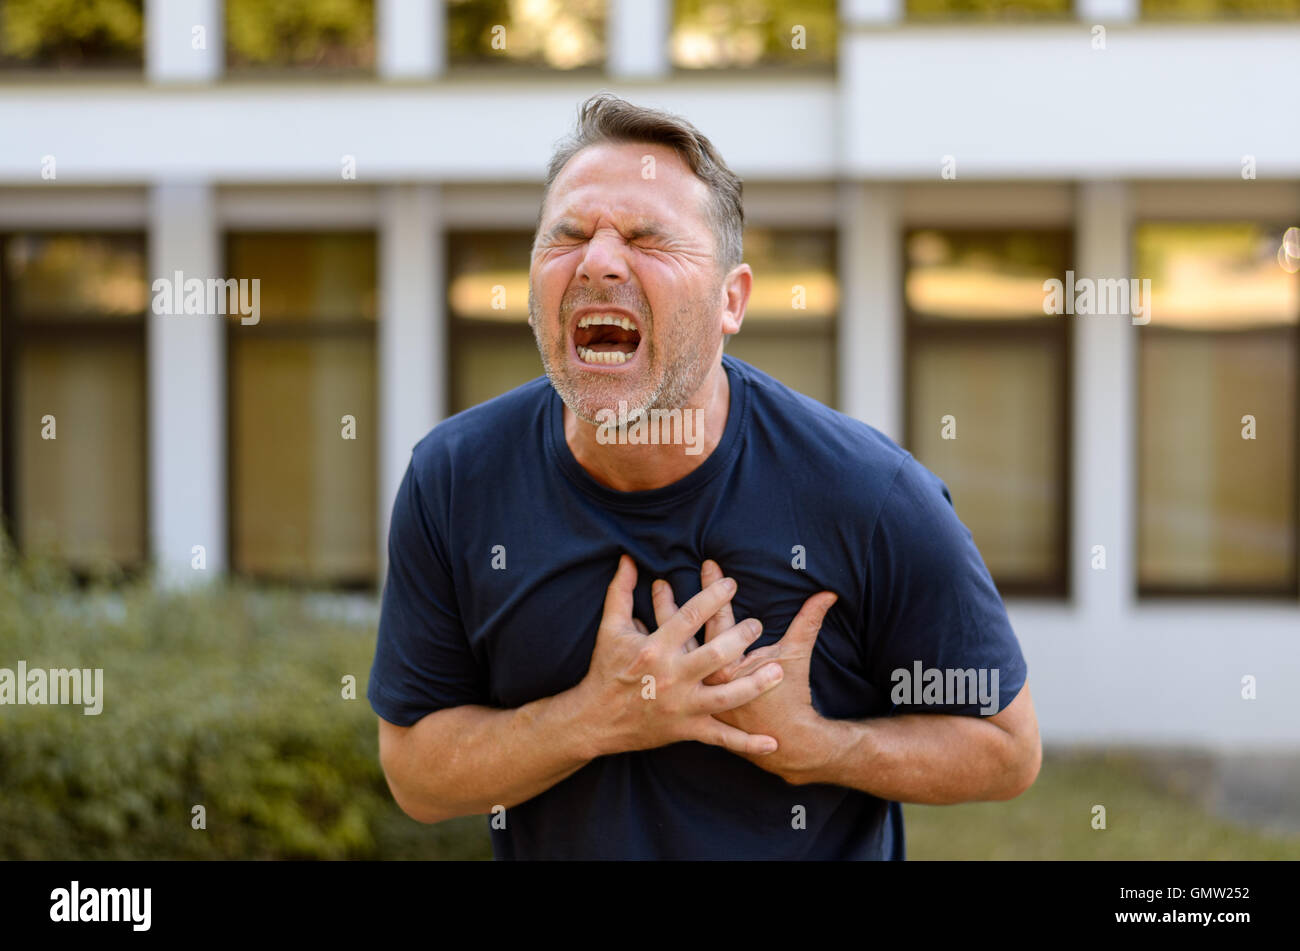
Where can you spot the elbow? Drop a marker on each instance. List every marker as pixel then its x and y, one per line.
pixel 418 808
pixel 1022 769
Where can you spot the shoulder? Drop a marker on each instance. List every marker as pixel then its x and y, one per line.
pixel 822 449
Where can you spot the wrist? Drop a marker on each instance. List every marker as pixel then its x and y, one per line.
pixel 840 747
pixel 587 730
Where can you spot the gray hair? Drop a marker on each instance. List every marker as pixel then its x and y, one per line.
pixel 605 117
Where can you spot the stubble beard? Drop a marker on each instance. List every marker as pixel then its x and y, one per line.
pixel 662 383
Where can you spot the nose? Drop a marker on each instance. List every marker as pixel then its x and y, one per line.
pixel 605 260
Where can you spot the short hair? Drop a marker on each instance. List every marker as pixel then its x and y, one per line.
pixel 605 117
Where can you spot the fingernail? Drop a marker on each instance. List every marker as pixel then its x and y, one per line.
pixel 755 629
pixel 729 584
pixel 768 747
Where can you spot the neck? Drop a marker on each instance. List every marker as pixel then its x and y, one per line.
pixel 628 464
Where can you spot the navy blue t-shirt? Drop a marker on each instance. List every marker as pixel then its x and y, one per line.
pixel 795 499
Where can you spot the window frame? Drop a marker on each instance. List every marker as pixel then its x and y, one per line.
pixel 305 330
pixel 1288 593
pixel 15 332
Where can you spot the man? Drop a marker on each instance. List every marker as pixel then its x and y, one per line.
pixel 514 677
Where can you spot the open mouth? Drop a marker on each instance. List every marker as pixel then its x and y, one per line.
pixel 606 339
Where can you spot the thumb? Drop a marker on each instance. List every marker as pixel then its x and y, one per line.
pixel 617 615
pixel 802 633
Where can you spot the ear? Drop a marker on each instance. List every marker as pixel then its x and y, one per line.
pixel 735 288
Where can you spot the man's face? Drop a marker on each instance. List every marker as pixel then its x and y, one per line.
pixel 623 294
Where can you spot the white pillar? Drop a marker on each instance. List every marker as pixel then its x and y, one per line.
pixel 871 312
pixel 412 38
pixel 185 40
pixel 871 12
pixel 412 334
pixel 1105 410
pixel 1108 11
pixel 637 38
pixel 187 420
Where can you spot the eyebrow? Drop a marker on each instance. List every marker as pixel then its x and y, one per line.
pixel 568 228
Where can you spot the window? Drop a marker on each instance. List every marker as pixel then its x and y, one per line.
pixel 789 328
pixel 1004 10
pixel 300 35
pixel 302 398
pixel 38 34
pixel 549 34
pixel 1217 363
pixel 75 463
pixel 988 393
pixel 726 34
pixel 1220 9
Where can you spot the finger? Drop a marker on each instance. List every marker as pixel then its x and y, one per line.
pixel 617 614
pixel 717 733
pixel 740 691
pixel 661 595
pixel 744 664
pixel 722 650
pixel 710 572
pixel 690 617
pixel 802 633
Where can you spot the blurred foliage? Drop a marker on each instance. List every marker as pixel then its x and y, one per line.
pixel 225 697
pixel 1009 10
pixel 556 34
pixel 300 34
pixel 71 34
pixel 718 34
pixel 1220 9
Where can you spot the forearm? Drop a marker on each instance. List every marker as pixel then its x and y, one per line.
pixel 465 760
pixel 935 759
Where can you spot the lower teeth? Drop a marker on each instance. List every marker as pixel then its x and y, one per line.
pixel 588 355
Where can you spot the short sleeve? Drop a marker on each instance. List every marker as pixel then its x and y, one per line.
pixel 938 636
pixel 423 662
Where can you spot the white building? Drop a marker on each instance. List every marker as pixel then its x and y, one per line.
pixel 919 192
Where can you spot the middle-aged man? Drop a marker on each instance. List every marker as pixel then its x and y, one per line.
pixel 786 708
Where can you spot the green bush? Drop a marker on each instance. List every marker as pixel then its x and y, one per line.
pixel 226 697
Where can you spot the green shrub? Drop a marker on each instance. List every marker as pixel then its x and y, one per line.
pixel 226 697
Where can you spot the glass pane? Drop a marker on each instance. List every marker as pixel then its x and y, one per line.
pixel 1003 468
pixel 487 365
pixel 80 496
pixel 300 34
pixel 488 280
pixel 1216 509
pixel 308 277
pixel 965 275
pixel 303 494
pixel 722 34
pixel 62 275
pixel 989 9
pixel 1220 9
pixel 555 34
pixel 1227 276
pixel 38 34
pixel 794 277
pixel 802 362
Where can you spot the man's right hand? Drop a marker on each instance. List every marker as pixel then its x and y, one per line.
pixel 644 690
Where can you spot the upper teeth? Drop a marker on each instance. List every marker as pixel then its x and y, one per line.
pixel 597 320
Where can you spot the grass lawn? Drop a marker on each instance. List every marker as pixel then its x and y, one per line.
pixel 1147 817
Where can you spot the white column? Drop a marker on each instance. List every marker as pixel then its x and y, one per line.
pixel 1105 410
pixel 412 38
pixel 185 40
pixel 870 12
pixel 1108 11
pixel 187 421
pixel 412 334
pixel 637 37
pixel 871 313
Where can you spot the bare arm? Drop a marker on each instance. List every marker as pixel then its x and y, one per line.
pixel 935 759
